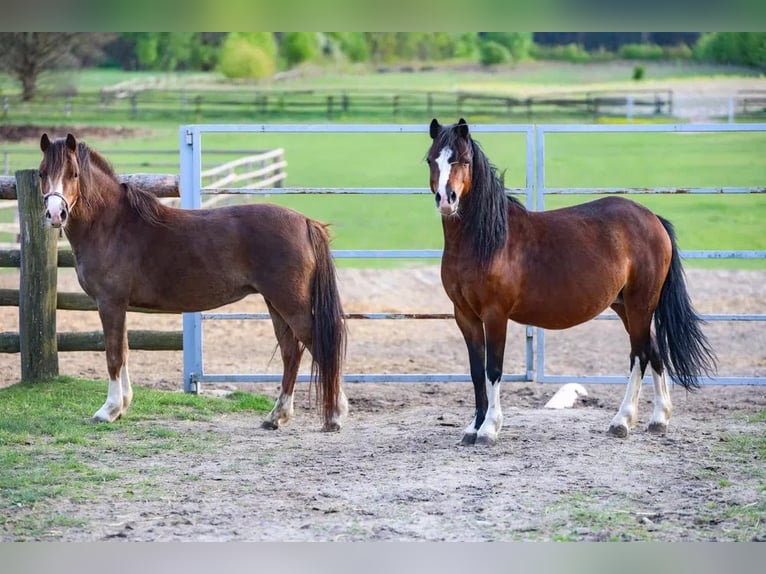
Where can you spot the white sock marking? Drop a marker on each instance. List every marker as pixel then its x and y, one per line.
pixel 662 404
pixel 113 405
pixel 493 422
pixel 627 416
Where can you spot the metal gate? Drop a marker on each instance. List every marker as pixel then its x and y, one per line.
pixel 534 189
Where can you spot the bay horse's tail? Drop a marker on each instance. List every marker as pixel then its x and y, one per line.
pixel 328 330
pixel 683 347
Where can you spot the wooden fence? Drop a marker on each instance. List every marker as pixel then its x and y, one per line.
pixel 256 104
pixel 257 170
pixel 38 259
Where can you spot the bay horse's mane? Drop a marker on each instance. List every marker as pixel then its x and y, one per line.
pixel 145 204
pixel 484 210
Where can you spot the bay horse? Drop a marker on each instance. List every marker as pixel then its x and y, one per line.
pixel 557 269
pixel 131 250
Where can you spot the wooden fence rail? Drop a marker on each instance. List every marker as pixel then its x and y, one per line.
pixel 38 259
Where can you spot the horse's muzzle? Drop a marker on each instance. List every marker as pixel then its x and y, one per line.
pixel 56 209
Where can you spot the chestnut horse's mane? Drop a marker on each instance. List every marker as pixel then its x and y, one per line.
pixel 93 165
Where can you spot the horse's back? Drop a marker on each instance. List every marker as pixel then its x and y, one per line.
pixel 208 258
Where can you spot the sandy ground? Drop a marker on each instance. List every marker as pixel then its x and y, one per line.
pixel 396 471
pixel 410 346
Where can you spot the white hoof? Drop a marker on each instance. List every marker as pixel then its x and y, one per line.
pixel 108 413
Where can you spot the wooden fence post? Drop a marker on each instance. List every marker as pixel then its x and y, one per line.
pixel 37 284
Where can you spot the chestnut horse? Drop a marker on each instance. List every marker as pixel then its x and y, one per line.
pixel 131 250
pixel 557 269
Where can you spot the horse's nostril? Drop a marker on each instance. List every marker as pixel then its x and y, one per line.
pixel 453 197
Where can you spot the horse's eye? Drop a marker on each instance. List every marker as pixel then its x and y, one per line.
pixel 75 175
pixel 41 174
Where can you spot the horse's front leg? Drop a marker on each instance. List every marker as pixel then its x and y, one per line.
pixel 495 327
pixel 473 332
pixel 120 393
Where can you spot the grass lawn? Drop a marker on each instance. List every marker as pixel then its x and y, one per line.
pixel 46 433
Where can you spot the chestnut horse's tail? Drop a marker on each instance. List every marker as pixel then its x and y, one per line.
pixel 328 330
pixel 683 347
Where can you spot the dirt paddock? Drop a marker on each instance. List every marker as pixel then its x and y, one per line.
pixel 396 471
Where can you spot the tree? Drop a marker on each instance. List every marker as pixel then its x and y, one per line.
pixel 248 55
pixel 299 47
pixel 25 55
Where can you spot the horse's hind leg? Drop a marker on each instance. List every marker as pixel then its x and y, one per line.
pixel 658 424
pixel 291 351
pixel 638 329
pixel 116 345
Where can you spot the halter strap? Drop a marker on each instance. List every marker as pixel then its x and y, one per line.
pixel 47 196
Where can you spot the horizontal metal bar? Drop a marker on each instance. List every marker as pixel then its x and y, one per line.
pixel 595 380
pixel 631 128
pixel 330 190
pixel 723 254
pixel 345 128
pixel 372 316
pixel 398 316
pixel 387 253
pixel 649 190
pixel 356 378
pixel 609 316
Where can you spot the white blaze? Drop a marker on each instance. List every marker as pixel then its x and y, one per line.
pixel 445 167
pixel 55 204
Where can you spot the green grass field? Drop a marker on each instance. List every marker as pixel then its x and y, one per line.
pixel 48 446
pixel 396 160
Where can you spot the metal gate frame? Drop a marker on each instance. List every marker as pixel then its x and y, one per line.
pixel 543 190
pixel 190 147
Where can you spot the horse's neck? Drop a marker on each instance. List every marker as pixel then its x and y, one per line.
pixel 90 214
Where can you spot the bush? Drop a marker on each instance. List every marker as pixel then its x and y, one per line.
pixel 744 48
pixel 567 53
pixel 298 47
pixel 638 73
pixel 467 45
pixel 492 53
pixel 354 45
pixel 518 44
pixel 679 52
pixel 642 52
pixel 242 59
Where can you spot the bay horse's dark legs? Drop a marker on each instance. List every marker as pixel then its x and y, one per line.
pixel 120 393
pixel 495 328
pixel 291 350
pixel 473 332
pixel 643 353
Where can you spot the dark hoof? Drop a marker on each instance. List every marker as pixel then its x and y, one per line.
pixel 657 428
pixel 469 439
pixel 331 427
pixel 620 431
pixel 485 440
pixel 269 425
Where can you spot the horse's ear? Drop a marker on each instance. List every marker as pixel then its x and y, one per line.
pixel 434 128
pixel 45 142
pixel 71 143
pixel 462 128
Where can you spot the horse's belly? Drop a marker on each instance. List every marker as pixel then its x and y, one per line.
pixel 188 297
pixel 559 313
